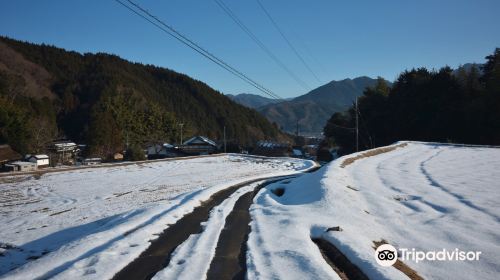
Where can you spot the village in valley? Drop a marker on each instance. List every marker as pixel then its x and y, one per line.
pixel 65 153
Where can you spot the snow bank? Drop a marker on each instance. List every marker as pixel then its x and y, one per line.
pixel 90 223
pixel 418 195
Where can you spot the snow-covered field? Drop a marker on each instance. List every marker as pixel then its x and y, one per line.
pixel 89 223
pixel 422 196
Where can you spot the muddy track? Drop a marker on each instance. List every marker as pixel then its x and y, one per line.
pixel 229 261
pixel 344 268
pixel 158 254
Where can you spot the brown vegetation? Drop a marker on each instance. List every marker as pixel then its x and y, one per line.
pixel 371 153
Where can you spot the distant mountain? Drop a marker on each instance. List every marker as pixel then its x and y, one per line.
pixel 252 100
pixel 312 110
pixel 468 68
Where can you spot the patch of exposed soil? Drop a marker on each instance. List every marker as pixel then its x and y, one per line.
pixel 344 268
pixel 371 153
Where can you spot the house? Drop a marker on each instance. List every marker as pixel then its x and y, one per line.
pixel 40 160
pixel 198 145
pixel 22 166
pixel 272 149
pixel 7 154
pixel 63 151
pixel 156 151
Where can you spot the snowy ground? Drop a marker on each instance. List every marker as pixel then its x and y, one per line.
pixel 90 223
pixel 422 196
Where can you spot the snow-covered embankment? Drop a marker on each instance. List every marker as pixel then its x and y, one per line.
pixel 412 195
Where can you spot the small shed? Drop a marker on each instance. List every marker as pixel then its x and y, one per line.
pixel 40 160
pixel 22 166
pixel 117 156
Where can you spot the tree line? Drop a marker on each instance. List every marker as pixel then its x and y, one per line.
pixel 108 102
pixel 461 106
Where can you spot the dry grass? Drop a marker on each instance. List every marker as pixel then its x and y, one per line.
pixel 399 265
pixel 371 153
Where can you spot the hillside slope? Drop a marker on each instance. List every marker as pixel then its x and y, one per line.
pixel 104 100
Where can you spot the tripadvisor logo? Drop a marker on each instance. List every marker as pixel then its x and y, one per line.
pixel 387 255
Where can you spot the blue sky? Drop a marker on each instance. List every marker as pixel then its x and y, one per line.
pixel 338 39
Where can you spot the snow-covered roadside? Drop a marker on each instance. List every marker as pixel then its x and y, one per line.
pixel 93 222
pixel 422 196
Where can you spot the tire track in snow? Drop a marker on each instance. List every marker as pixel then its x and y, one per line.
pixel 229 261
pixel 200 248
pixel 433 182
pixel 159 253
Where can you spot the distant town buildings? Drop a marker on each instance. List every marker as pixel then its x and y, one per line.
pixel 65 152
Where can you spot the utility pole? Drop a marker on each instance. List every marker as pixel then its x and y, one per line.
pixel 181 125
pixel 297 129
pixel 357 127
pixel 224 139
pixel 126 135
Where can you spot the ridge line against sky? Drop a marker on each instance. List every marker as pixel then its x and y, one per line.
pixel 360 38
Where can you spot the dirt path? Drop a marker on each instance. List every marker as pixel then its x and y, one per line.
pixel 158 254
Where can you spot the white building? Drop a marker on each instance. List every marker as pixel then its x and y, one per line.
pixel 21 166
pixel 40 160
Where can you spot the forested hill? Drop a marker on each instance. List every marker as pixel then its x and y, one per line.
pixel 458 106
pixel 104 101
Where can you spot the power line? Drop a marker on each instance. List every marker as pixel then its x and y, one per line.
pixel 252 36
pixel 308 51
pixel 286 40
pixel 189 43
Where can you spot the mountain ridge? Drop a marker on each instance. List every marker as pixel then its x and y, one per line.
pixel 312 110
pixel 251 100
